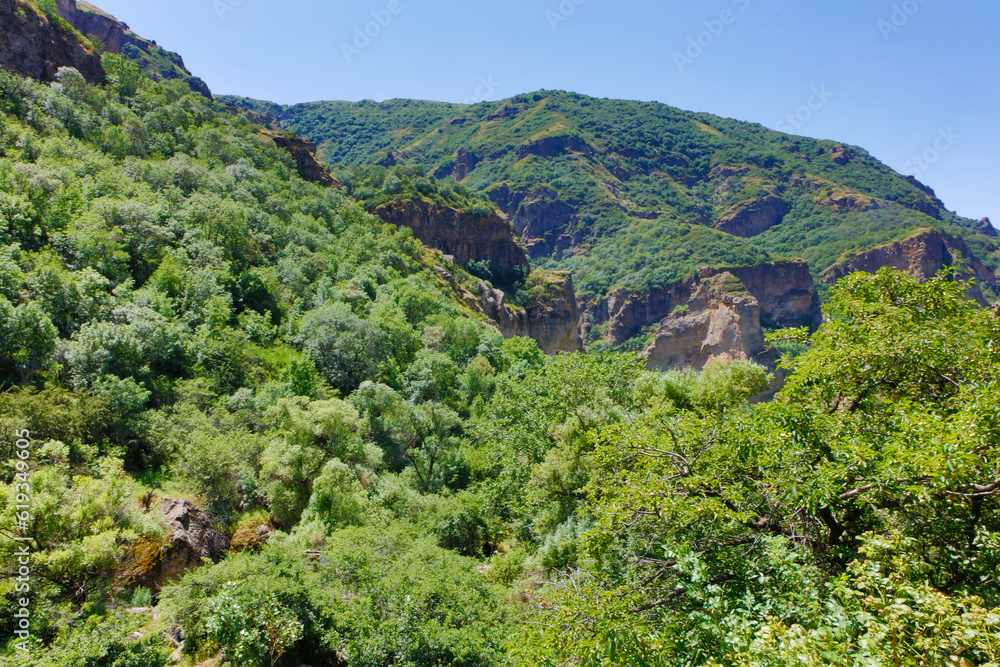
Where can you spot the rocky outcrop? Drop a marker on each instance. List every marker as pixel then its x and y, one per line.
pixel 117 37
pixel 463 236
pixel 304 154
pixel 849 202
pixel 192 540
pixel 984 227
pixel 922 256
pixel 784 291
pixel 465 162
pixel 543 223
pixel 841 155
pixel 554 146
pixel 754 217
pixel 551 318
pixel 31 45
pixel 715 324
pixel 251 537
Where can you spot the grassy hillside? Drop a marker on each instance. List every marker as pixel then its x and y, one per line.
pixel 633 193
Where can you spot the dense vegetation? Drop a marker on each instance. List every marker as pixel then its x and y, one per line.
pixel 183 316
pixel 640 187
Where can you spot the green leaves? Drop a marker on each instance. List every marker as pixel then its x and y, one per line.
pixel 853 520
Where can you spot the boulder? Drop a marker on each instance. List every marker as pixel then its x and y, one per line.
pixel 192 540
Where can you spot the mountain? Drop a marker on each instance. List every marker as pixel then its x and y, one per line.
pixel 36 43
pixel 635 197
pixel 114 36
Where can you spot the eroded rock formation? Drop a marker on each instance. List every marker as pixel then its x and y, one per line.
pixel 719 322
pixel 754 217
pixel 552 317
pixel 304 154
pixel 457 233
pixel 922 256
pixel 784 291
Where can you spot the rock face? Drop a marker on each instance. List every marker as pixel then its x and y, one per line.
pixel 32 46
pixel 551 319
pixel 784 291
pixel 922 256
pixel 754 217
pixel 715 324
pixel 117 37
pixel 192 539
pixel 304 153
pixel 986 227
pixel 456 233
pixel 542 222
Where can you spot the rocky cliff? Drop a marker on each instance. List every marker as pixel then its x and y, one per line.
pixel 117 37
pixel 456 233
pixel 551 318
pixel 719 321
pixel 304 154
pixel 922 256
pixel 35 46
pixel 784 291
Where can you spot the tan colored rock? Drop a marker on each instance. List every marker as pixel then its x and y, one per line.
pixel 784 292
pixel 922 256
pixel 714 325
pixel 457 233
pixel 251 538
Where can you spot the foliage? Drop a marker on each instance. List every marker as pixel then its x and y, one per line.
pixel 107 642
pixel 642 186
pixel 851 521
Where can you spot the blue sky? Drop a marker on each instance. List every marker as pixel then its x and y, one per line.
pixel 913 81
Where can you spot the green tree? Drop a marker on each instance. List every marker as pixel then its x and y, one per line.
pixel 125 75
pixel 347 350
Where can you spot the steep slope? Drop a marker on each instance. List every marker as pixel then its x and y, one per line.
pixel 35 45
pixel 635 198
pixel 116 37
pixel 583 179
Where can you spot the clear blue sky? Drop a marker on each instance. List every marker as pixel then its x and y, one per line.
pixel 903 79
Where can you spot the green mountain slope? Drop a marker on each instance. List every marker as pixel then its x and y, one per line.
pixel 637 195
